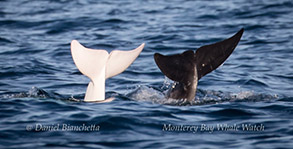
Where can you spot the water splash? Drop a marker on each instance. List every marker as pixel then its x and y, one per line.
pixel 203 97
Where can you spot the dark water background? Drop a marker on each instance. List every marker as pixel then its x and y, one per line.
pixel 38 77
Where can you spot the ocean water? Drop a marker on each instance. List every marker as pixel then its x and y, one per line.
pixel 246 103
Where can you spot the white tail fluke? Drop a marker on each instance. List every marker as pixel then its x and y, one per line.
pixel 99 65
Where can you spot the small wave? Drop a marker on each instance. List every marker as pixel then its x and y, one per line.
pixel 114 12
pixel 61 26
pixel 20 24
pixel 252 82
pixel 5 40
pixel 208 16
pixel 236 113
pixel 253 27
pixel 114 21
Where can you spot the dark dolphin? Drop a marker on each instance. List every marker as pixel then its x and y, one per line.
pixel 188 67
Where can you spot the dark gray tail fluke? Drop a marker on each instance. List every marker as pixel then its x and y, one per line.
pixel 210 57
pixel 180 67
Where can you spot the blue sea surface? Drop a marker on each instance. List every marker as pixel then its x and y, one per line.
pixel 245 103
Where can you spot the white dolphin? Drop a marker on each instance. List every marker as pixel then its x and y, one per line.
pixel 99 65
